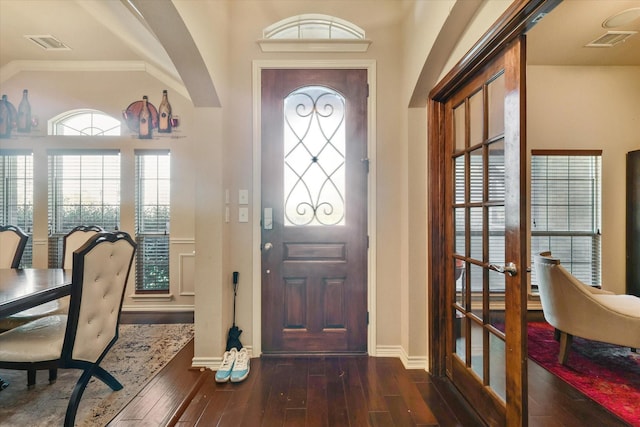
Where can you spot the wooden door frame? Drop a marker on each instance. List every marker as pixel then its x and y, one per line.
pixel 513 24
pixel 258 66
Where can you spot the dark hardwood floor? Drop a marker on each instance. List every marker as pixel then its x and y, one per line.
pixel 335 391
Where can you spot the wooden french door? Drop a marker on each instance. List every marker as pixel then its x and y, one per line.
pixel 486 245
pixel 314 211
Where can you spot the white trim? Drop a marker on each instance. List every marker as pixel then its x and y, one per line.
pixel 409 362
pixel 370 66
pixel 302 45
pixel 181 257
pixel 213 362
pixel 158 307
pixel 152 297
pixel 15 67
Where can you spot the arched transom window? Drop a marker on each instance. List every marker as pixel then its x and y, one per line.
pixel 313 32
pixel 313 27
pixel 84 122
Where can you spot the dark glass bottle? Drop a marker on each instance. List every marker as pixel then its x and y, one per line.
pixel 24 113
pixel 164 114
pixel 144 120
pixel 5 118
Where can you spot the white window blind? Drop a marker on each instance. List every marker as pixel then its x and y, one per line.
pixel 16 195
pixel 566 210
pixel 153 185
pixel 84 189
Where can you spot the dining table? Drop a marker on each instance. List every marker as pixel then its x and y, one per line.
pixel 24 288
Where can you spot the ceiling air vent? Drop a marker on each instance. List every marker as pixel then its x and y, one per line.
pixel 48 42
pixel 611 38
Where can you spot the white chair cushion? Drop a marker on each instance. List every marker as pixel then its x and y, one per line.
pixel 35 341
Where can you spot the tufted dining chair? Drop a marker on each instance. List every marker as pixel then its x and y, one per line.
pixel 75 239
pixel 71 241
pixel 81 338
pixel 12 241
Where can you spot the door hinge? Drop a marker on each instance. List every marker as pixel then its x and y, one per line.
pixel 367 90
pixel 365 162
pixel 367 317
pixel 367 242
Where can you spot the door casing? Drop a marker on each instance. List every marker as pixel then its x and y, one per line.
pixel 258 65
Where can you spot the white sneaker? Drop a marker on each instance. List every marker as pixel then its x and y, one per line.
pixel 228 361
pixel 240 369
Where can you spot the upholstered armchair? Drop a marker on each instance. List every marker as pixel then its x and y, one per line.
pixel 82 338
pixel 577 309
pixel 12 241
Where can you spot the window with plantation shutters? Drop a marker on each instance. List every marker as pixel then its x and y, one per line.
pixel 153 183
pixel 16 195
pixel 84 189
pixel 566 210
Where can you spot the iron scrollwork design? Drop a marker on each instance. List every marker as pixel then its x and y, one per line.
pixel 314 157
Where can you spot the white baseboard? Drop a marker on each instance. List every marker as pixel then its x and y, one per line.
pixel 409 362
pixel 213 362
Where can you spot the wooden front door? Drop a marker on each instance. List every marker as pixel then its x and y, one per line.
pixel 314 211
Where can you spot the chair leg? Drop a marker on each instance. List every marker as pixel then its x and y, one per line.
pixel 53 375
pixel 565 347
pixel 107 378
pixel 74 400
pixel 556 334
pixel 31 378
pixel 78 390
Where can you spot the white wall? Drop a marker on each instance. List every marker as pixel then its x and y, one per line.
pixel 591 108
pixel 51 94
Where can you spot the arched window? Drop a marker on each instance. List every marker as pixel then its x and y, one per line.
pixel 313 26
pixel 313 32
pixel 84 122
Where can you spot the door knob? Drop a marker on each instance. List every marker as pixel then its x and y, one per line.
pixel 267 246
pixel 510 268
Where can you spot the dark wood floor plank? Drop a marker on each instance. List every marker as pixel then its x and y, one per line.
pixel 295 417
pixel 185 397
pixel 381 419
pixel 317 410
pixel 199 401
pixel 336 401
pixel 238 405
pixel 277 402
pixel 399 411
pixel 297 397
pixel 371 389
pixel 215 408
pixel 420 412
pixel 356 402
pixel 259 394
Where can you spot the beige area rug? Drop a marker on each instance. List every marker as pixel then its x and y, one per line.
pixel 140 352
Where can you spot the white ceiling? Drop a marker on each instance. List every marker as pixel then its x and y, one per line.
pixel 559 38
pixel 109 30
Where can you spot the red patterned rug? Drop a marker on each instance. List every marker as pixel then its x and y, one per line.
pixel 608 374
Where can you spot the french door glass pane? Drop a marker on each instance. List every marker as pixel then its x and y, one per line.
pixel 476 118
pixel 497 377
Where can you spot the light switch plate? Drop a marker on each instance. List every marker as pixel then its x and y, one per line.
pixel 243 214
pixel 243 197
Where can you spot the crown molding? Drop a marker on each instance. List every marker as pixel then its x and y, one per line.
pixel 14 68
